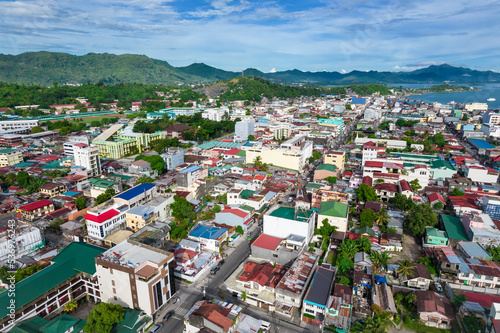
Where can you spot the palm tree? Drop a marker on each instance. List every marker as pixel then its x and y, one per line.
pixel 348 248
pixel 406 267
pixel 382 217
pixel 377 324
pixel 257 161
pixel 379 261
pixel 364 244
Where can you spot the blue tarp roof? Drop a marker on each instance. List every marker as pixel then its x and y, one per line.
pixel 207 232
pixel 135 191
pixel 380 279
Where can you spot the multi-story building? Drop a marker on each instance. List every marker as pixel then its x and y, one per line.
pixel 37 209
pixel 316 300
pixel 26 239
pixel 245 197
pixel 11 140
pixel 70 277
pixel 336 158
pixel 292 154
pixel 492 207
pixel 189 175
pixel 336 213
pixel 242 129
pixel 476 107
pixel 137 195
pixel 136 275
pixel 139 216
pixel 479 173
pixel 209 237
pixel 74 140
pixel 214 114
pixel 491 118
pixel 281 130
pixel 173 158
pixel 53 189
pixel 282 221
pixel 17 124
pixel 88 157
pixel 10 157
pixel 101 220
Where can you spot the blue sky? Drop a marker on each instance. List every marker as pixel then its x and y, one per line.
pixel 340 35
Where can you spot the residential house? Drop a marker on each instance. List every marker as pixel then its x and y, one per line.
pixel 209 237
pixel 435 236
pixel 234 217
pixel 317 297
pixel 282 221
pixel 140 216
pixel 212 316
pixel 36 210
pixel 420 277
pixel 336 213
pixel 326 170
pixel 338 313
pixel 434 310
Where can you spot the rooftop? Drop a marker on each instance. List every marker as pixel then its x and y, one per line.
pixel 133 254
pixel 289 214
pixel 208 232
pixel 135 191
pixel 296 277
pixel 319 290
pixel 334 209
pixel 267 242
pixel 327 167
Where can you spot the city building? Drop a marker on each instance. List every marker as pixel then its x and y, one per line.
pixel 242 129
pixel 105 218
pixel 282 221
pixel 36 210
pixel 18 124
pixel 10 157
pixel 318 294
pixel 88 157
pixel 336 158
pixel 25 240
pixel 336 213
pixel 189 175
pixel 69 146
pixel 140 216
pixel 173 157
pixel 209 237
pixel 53 189
pixel 136 275
pixel 71 276
pixel 234 217
pixel 492 207
pixel 137 195
pixel 214 114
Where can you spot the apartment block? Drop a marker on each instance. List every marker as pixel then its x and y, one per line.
pixel 10 157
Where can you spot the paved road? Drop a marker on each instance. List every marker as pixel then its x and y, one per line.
pixel 192 293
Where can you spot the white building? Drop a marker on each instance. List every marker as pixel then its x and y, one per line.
pixel 26 239
pixel 282 221
pixel 281 130
pixel 214 114
pixel 491 130
pixel 479 173
pixel 16 124
pixel 101 220
pixel 173 158
pixel 476 107
pixel 136 275
pixel 88 157
pixel 242 129
pixel 69 146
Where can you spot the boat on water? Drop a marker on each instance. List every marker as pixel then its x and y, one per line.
pixel 491 99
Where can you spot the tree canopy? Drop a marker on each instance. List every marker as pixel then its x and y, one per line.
pixel 102 318
pixel 420 217
pixel 181 208
pixel 366 193
pixel 156 161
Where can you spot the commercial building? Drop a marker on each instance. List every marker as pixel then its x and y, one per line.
pixel 242 129
pixel 88 157
pixel 476 107
pixel 71 276
pixel 492 207
pixel 136 275
pixel 282 221
pixel 479 173
pixel 292 154
pixel 137 195
pixel 336 158
pixel 74 140
pixel 173 158
pixel 17 124
pixel 214 114
pixel 189 175
pixel 10 157
pixel 105 218
pixel 25 240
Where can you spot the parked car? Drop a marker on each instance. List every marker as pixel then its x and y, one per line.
pixel 156 328
pixel 214 270
pixel 438 287
pixel 221 263
pixel 168 315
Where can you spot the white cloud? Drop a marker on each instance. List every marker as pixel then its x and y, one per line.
pixel 273 70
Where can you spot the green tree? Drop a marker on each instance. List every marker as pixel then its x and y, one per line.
pixel 382 217
pixel 420 217
pixel 157 163
pixel 257 162
pixel 180 208
pixel 457 193
pixel 216 209
pixel 345 281
pixel 415 185
pixel 36 129
pixel 102 318
pixel 439 206
pixel 363 244
pixel 379 261
pixel 344 265
pixel 427 262
pixel 367 217
pixel 458 300
pixel 107 195
pixel 406 268
pixel 366 193
pixel 143 180
pixel 348 248
pixel 95 123
pixel 379 323
pixel 251 138
pixel 331 180
pixel 81 203
pixel 495 253
pixel 239 230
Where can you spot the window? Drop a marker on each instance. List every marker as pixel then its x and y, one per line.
pixel 310 311
pixel 477 276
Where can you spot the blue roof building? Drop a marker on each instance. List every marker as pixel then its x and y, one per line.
pixel 360 101
pixel 136 195
pixel 210 237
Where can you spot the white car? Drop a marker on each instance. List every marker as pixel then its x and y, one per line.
pixel 438 286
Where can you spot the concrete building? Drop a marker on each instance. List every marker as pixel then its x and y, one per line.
pixel 281 130
pixel 53 189
pixel 479 173
pixel 10 157
pixel 282 221
pixel 434 310
pixel 36 210
pixel 274 249
pixel 234 217
pixel 324 171
pixel 214 114
pixel 242 129
pixel 105 218
pixel 137 195
pixel 17 124
pixel 220 317
pixel 72 141
pixel 88 157
pixel 189 175
pixel 476 107
pixel 336 158
pixel 209 237
pixel 336 213
pixel 140 216
pixel 136 275
pixel 292 154
pixel 173 157
pixel 492 207
pixel 25 240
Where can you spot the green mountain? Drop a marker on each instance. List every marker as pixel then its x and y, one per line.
pixel 46 67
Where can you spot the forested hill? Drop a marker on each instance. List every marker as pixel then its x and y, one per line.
pixel 44 68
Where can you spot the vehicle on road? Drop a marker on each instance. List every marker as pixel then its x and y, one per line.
pixel 265 325
pixel 214 270
pixel 167 316
pixel 221 263
pixel 156 328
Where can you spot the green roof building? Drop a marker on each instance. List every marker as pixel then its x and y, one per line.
pixel 436 237
pixel 327 167
pixel 454 228
pixel 73 264
pixel 336 213
pixel 440 170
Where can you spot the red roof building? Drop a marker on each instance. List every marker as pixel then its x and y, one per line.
pixel 265 275
pixel 434 198
pixel 35 205
pixel 102 217
pixel 267 242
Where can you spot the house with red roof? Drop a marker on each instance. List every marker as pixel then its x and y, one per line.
pixel 213 316
pixel 463 205
pixel 386 191
pixel 36 210
pixel 434 198
pixel 101 220
pixel 276 249
pixel 405 188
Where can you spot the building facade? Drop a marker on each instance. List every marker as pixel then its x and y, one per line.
pixel 88 157
pixel 10 157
